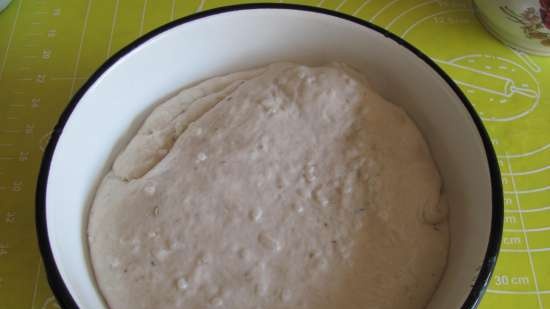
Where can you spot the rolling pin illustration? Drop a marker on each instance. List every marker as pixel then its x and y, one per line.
pixel 484 81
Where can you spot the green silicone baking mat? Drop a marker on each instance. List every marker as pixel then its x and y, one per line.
pixel 48 48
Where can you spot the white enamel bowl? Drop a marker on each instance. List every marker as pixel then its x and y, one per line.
pixel 111 105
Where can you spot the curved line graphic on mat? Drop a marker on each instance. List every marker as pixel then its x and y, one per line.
pixel 341 5
pixel 361 7
pixel 525 250
pixel 50 303
pixel 407 11
pixel 540 229
pixel 530 172
pixel 528 191
pixel 517 292
pixel 527 154
pixel 44 140
pixel 528 210
pixel 385 7
pixel 416 23
pixel 489 82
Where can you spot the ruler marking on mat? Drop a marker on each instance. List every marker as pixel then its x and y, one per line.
pixel 81 43
pixel 113 24
pixel 529 255
pixel 143 12
pixel 35 291
pixel 10 39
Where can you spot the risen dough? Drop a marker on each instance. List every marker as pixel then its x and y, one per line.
pixel 282 187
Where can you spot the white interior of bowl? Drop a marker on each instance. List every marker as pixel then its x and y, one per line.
pixel 115 105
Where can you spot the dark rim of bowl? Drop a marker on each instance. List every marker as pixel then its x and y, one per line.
pixel 55 280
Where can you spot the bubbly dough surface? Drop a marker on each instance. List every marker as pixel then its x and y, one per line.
pixel 283 187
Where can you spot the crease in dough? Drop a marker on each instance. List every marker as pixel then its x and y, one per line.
pixel 167 121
